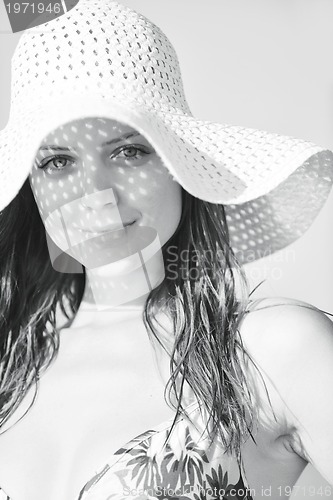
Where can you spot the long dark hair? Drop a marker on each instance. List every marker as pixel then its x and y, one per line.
pixel 206 294
pixel 199 294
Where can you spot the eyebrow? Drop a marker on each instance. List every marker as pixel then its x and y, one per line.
pixel 123 137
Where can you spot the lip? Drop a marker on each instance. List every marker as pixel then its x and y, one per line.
pixel 107 229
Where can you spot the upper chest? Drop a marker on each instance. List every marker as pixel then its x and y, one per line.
pixel 104 388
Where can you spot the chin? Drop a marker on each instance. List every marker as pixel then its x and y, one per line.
pixel 117 268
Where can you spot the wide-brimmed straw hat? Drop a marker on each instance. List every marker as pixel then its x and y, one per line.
pixel 103 59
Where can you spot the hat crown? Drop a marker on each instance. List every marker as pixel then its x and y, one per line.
pixel 99 46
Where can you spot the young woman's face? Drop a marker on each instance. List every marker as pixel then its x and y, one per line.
pixel 97 183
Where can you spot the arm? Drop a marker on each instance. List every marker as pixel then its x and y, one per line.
pixel 294 347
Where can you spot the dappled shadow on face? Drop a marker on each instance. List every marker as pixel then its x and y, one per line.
pixel 94 181
pixel 103 194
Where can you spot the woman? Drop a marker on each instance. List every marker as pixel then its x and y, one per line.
pixel 133 217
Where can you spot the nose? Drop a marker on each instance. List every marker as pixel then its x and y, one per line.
pixel 97 199
pixel 97 187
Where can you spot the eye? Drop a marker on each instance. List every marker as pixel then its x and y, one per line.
pixel 131 153
pixel 56 163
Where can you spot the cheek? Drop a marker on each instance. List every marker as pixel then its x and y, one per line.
pixel 49 199
pixel 172 209
pixel 163 207
pixel 49 195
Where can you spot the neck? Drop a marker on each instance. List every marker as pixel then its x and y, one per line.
pixel 122 285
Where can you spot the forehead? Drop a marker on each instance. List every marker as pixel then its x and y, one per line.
pixel 88 128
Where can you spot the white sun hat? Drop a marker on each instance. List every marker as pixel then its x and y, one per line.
pixel 103 59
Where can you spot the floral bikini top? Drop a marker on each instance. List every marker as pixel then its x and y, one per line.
pixel 186 468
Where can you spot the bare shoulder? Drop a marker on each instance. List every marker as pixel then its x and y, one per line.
pixel 292 344
pixel 284 324
pixel 290 341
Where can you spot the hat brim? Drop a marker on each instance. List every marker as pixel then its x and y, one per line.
pixel 272 186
